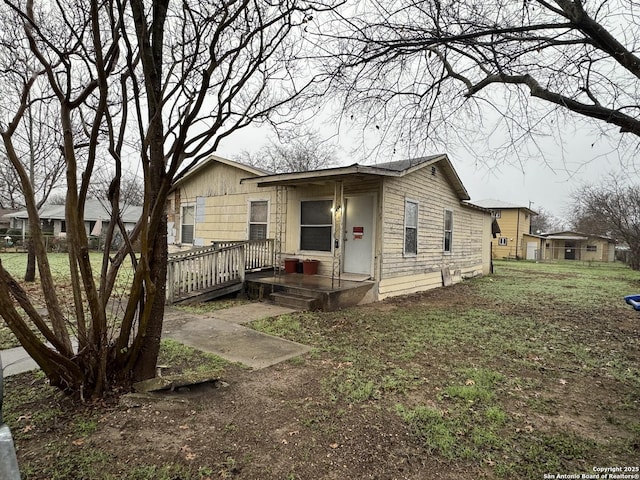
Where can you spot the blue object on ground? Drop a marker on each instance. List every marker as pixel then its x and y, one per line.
pixel 633 300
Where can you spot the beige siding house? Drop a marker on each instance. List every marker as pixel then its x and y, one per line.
pixel 568 245
pixel 210 204
pixel 404 225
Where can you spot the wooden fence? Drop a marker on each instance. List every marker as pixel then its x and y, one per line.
pixel 221 264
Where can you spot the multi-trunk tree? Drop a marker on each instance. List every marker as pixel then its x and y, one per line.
pixel 161 82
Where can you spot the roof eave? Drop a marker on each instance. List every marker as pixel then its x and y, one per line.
pixel 466 203
pixel 215 158
pixel 300 178
pixel 312 176
pixel 458 186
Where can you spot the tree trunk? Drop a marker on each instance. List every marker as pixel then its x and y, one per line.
pixel 145 366
pixel 30 273
pixel 634 257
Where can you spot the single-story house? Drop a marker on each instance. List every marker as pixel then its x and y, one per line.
pixel 404 225
pixel 5 220
pixel 96 218
pixel 569 245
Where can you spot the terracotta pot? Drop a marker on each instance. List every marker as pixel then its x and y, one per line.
pixel 290 265
pixel 310 267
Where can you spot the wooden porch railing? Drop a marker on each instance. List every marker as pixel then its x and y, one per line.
pixel 206 268
pixel 257 253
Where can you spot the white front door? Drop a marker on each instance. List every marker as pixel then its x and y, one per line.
pixel 359 234
pixel 532 249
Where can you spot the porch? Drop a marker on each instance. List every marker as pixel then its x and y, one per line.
pixel 332 216
pixel 206 273
pixel 309 292
pixel 203 274
pixel 568 247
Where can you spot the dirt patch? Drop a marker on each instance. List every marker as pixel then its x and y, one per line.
pixel 273 423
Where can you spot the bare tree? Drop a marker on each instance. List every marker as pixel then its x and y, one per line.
pixel 610 209
pixel 131 187
pixel 293 152
pixel 37 145
pixel 10 196
pixel 435 71
pixel 35 140
pixel 545 221
pixel 44 163
pixel 173 78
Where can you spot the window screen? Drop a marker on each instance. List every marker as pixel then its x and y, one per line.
pixel 448 230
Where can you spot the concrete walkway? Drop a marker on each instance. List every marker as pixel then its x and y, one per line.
pixel 15 361
pixel 221 332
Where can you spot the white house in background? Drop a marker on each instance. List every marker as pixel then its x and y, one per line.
pixel 96 218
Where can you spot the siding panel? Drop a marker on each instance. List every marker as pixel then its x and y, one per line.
pixel 400 274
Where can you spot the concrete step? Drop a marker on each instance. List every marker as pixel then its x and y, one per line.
pixel 296 301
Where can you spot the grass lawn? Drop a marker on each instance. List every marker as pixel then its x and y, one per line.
pixel 16 263
pixel 534 370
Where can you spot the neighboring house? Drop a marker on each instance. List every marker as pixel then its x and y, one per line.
pixel 515 223
pixel 568 245
pixel 404 225
pixel 96 218
pixel 5 220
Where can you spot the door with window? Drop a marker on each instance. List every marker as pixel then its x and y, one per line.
pixel 359 235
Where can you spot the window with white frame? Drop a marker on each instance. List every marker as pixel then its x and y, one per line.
pixel 410 228
pixel 448 231
pixel 316 222
pixel 592 248
pixel 258 219
pixel 502 241
pixel 187 223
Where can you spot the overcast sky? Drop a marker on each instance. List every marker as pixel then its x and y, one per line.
pixel 547 186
